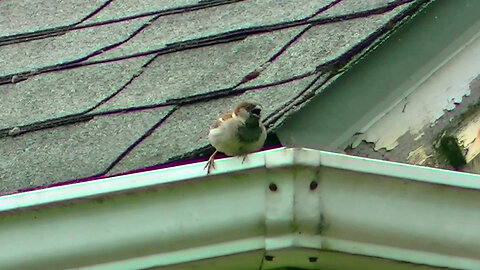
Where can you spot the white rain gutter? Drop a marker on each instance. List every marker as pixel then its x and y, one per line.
pixel 282 208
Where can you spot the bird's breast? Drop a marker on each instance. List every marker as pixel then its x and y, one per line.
pixel 235 138
pixel 248 134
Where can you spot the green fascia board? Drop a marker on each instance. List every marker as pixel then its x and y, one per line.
pixel 384 77
pixel 282 208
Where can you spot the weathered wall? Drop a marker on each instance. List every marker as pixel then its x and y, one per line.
pixel 419 145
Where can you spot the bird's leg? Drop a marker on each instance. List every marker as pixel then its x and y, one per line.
pixel 244 158
pixel 210 163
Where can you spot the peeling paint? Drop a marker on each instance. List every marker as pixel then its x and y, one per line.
pixel 442 91
pixel 357 139
pixel 473 151
pixel 469 137
pixel 419 136
pixel 468 133
pixel 418 156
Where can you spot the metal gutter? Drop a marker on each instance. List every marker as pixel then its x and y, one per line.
pixel 282 208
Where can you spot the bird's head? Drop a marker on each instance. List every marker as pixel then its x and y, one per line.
pixel 246 110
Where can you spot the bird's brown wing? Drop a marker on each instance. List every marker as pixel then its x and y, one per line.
pixel 222 118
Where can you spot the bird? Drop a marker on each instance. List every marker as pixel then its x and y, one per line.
pixel 238 132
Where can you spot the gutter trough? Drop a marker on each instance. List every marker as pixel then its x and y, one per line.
pixel 298 208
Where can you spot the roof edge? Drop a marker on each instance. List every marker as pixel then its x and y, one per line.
pixel 276 158
pixel 280 202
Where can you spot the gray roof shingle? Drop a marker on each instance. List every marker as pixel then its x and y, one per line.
pixel 199 71
pixel 71 46
pixel 63 93
pixel 117 86
pixel 24 16
pixel 70 151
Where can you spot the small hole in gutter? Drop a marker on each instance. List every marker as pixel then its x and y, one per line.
pixel 269 258
pixel 312 259
pixel 313 185
pixel 273 187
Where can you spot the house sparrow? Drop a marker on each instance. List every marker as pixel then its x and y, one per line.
pixel 237 133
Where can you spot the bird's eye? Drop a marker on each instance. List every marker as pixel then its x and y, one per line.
pixel 256 111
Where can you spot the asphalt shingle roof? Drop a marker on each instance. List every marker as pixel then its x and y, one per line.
pixel 101 87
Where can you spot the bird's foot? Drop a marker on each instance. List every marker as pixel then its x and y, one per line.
pixel 209 166
pixel 210 163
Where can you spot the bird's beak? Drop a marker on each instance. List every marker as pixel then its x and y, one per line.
pixel 256 111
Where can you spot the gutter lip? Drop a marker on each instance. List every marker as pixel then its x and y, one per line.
pixel 271 159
